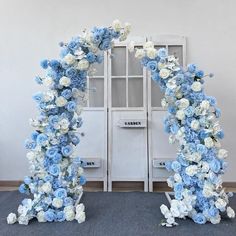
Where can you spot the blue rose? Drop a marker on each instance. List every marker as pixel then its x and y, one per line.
pixel 60 216
pixel 162 53
pixel 68 201
pixel 53 120
pixel 66 151
pixel 199 218
pixel 38 97
pixel 44 64
pixel 174 128
pixel 82 180
pixel 42 139
pixel 105 44
pixel 57 158
pixel 54 170
pixel 52 152
pixel 30 144
pixel 189 111
pixel 91 57
pixel 199 73
pixel 176 166
pixel 201 149
pixel 60 193
pixel 99 58
pixel 74 44
pixel 34 135
pixel 220 134
pixel 66 94
pixel 64 51
pixel 71 72
pixel 215 165
pixel 48 178
pixel 27 180
pixel 192 68
pixel 71 106
pixel 23 188
pixel 152 66
pixel 54 64
pixel 75 139
pixel 178 187
pixel 49 215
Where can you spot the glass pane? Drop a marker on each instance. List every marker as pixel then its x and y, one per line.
pixel 177 51
pixel 156 94
pixel 118 92
pixel 118 61
pixel 134 65
pixel 96 92
pixel 135 92
pixel 99 69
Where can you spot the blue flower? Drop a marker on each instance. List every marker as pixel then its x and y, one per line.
pixel 201 149
pixel 57 158
pixel 30 144
pixel 71 106
pixel 54 64
pixel 49 215
pixel 71 72
pixel 67 93
pixel 215 165
pixel 54 170
pixel 38 97
pixel 91 57
pixel 74 44
pixel 34 135
pixel 152 65
pixel 199 218
pixel 82 180
pixel 162 53
pixel 66 151
pixel 27 180
pixel 192 68
pixel 52 152
pixel 178 187
pixel 176 166
pixel 105 44
pixel 68 201
pixel 60 193
pixel 199 73
pixel 23 188
pixel 60 216
pixel 44 64
pixel 220 134
pixel 42 139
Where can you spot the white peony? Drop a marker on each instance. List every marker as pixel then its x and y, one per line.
pixel 11 219
pixel 65 81
pixel 164 73
pixel 83 64
pixel 23 220
pixel 230 212
pixel 69 59
pixel 180 115
pixel 196 86
pixel 61 101
pixel 209 143
pixel 139 53
pixel 183 103
pixel 46 187
pixel 116 25
pixel 148 44
pixel 222 153
pixel 151 53
pixel 195 125
pixel 80 217
pixel 40 216
pixel 57 202
pixel 48 81
pixel 191 170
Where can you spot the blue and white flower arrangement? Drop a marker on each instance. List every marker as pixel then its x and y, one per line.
pixel 57 174
pixel 192 121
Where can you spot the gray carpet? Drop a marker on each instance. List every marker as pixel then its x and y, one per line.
pixel 112 214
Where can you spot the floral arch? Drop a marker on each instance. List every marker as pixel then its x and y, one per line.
pixel 57 175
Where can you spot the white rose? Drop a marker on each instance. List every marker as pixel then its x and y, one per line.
pixel 205 166
pixel 116 25
pixel 30 156
pixel 196 157
pixel 205 105
pixel 69 214
pixel 180 115
pixel 46 187
pixel 83 64
pixel 222 153
pixel 216 219
pixel 183 103
pixel 139 53
pixel 196 86
pixel 64 123
pixel 177 178
pixel 80 171
pixel 79 208
pixel 80 217
pixel 230 212
pixel 40 216
pixel 164 73
pixel 164 103
pixel 148 44
pixel 61 101
pixel 209 143
pixel 171 84
pixel 48 81
pixel 11 219
pixel 151 53
pixel 69 59
pixel 220 204
pixel 164 209
pixel 65 81
pixel 23 220
pixel 57 202
pixel 191 170
pixel 208 190
pixel 48 96
pixel 161 65
pixel 195 124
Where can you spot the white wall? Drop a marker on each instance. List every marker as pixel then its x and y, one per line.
pixel 30 31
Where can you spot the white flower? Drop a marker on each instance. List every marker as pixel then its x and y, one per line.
pixel 177 178
pixel 180 115
pixel 116 25
pixel 171 84
pixel 48 81
pixel 46 187
pixel 69 213
pixel 40 216
pixel 196 157
pixel 61 101
pixel 151 52
pixel 83 64
pixel 209 143
pixel 48 96
pixel 65 81
pixel 220 204
pixel 80 217
pixel 230 212
pixel 205 105
pixel 139 53
pixel 69 59
pixel 79 208
pixel 222 153
pixel 196 86
pixel 191 170
pixel 23 220
pixel 195 125
pixel 164 73
pixel 205 166
pixel 131 46
pixel 57 202
pixel 208 190
pixel 30 156
pixel 164 209
pixel 148 44
pixel 161 65
pixel 64 123
pixel 80 171
pixel 216 219
pixel 11 219
pixel 183 103
pixel 127 27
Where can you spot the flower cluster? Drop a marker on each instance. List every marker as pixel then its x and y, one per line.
pixel 57 174
pixel 192 121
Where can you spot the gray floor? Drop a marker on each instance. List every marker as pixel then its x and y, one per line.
pixel 112 214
